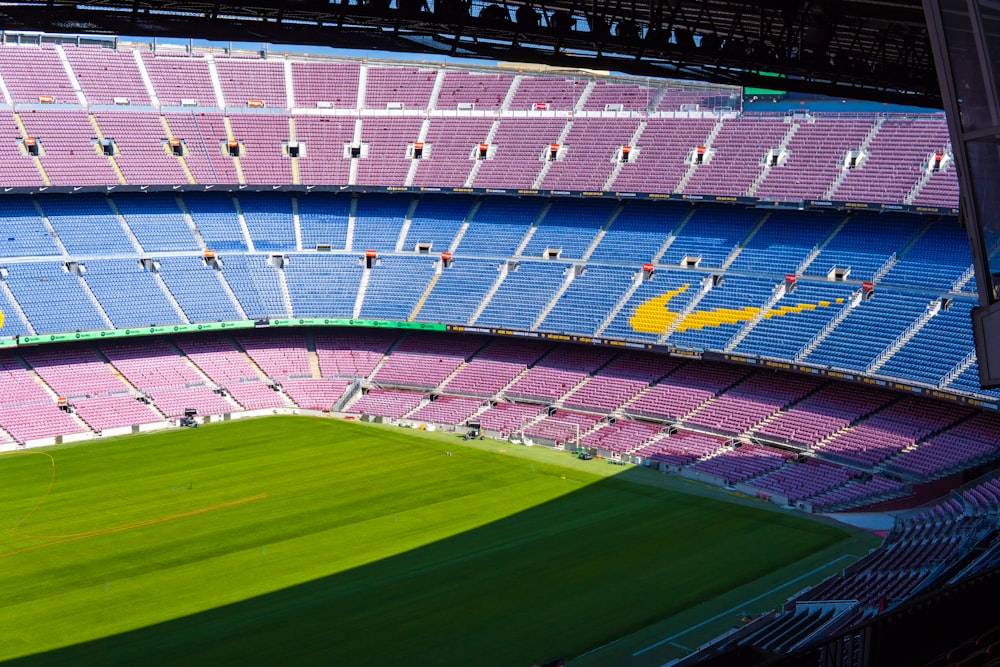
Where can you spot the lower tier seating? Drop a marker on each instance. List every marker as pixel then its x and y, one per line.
pixel 812 443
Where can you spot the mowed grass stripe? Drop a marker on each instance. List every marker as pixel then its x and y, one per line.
pixel 370 547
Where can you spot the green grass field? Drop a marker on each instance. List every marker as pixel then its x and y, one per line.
pixel 300 540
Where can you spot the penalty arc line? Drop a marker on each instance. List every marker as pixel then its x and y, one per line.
pixel 64 539
pixel 671 638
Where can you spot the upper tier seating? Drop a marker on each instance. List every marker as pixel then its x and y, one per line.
pixel 483 90
pixel 815 158
pixel 332 82
pixel 140 99
pixel 632 97
pixel 19 168
pixel 896 157
pixel 519 145
pixel 941 189
pixel 262 154
pixel 325 138
pixel 590 146
pixel 739 151
pixel 106 75
pixel 664 156
pixel 558 93
pixel 245 79
pixel 387 138
pixel 142 148
pixel 203 135
pixel 449 148
pixel 70 155
pixel 32 72
pixel 177 76
pixel 409 86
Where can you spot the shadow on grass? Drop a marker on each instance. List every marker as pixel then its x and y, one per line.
pixel 598 562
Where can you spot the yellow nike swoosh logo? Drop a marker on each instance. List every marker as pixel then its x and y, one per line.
pixel 654 316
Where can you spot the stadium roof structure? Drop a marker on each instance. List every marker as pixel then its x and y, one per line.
pixel 847 48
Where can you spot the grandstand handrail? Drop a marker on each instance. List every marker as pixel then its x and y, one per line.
pixel 617 195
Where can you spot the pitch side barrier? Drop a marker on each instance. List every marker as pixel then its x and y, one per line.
pixel 805 204
pixel 70 336
pixel 673 351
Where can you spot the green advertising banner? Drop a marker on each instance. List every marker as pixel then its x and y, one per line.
pixel 139 331
pixel 345 322
pixel 8 342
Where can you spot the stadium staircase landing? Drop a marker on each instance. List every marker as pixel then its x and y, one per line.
pixel 202 374
pixel 33 374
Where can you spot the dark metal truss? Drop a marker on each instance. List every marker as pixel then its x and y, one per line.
pixel 847 48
